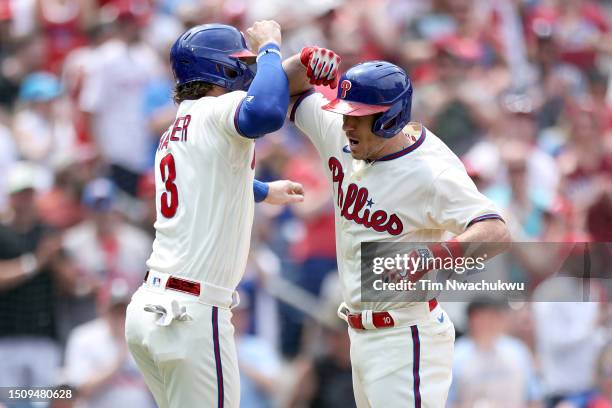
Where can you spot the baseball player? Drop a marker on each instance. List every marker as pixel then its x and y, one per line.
pixel 393 180
pixel 178 322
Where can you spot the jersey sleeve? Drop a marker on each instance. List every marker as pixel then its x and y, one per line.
pixel 456 203
pixel 225 113
pixel 214 121
pixel 320 126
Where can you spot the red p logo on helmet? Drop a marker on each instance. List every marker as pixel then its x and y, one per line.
pixel 345 86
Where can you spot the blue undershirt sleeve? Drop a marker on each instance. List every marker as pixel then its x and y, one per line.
pixel 264 108
pixel 260 190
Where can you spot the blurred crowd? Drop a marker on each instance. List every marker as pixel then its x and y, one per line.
pixel 521 90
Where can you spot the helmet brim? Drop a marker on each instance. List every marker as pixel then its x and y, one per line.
pixel 243 54
pixel 350 108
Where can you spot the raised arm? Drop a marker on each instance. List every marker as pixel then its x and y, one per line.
pixel 265 106
pixel 296 74
pixel 313 66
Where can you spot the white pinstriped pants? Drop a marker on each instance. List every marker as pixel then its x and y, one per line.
pixel 188 363
pixel 408 366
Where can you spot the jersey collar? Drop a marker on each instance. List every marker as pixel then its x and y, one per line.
pixel 407 150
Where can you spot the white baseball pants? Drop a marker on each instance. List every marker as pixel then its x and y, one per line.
pixel 409 365
pixel 187 363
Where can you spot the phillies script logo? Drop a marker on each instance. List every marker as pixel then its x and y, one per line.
pixel 345 85
pixel 355 200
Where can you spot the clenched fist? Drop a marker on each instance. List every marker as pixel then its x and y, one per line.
pixel 322 66
pixel 282 192
pixel 262 33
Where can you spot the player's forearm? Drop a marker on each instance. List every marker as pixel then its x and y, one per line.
pixel 296 73
pixel 263 110
pixel 493 233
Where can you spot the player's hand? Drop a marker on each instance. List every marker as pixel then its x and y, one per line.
pixel 424 259
pixel 321 66
pixel 262 33
pixel 284 192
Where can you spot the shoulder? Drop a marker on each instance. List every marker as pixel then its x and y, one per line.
pixel 438 152
pixel 218 104
pixel 441 162
pixel 423 156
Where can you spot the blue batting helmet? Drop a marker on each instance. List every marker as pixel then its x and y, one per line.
pixel 211 53
pixel 375 87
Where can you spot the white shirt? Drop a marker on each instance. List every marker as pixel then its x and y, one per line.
pixel 91 349
pixel 42 140
pixel 85 249
pixel 205 233
pixel 8 156
pixel 503 376
pixel 114 93
pixel 568 335
pixel 416 197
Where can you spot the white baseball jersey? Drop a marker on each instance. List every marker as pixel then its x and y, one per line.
pixel 419 194
pixel 204 194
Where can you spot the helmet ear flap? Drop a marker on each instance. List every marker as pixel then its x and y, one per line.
pixel 383 122
pixel 392 121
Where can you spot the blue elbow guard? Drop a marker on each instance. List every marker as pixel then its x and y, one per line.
pixel 260 190
pixel 265 106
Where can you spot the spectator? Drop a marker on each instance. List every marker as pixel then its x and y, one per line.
pixel 8 156
pixel 561 351
pixel 61 205
pixel 586 161
pixel 106 376
pixel 325 381
pixel 63 23
pixel 603 398
pixel 43 131
pixel 31 270
pixel 315 250
pixel 522 206
pixel 491 368
pixel 104 248
pixel 259 362
pixel 599 215
pixel 113 95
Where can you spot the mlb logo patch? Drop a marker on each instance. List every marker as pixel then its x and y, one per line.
pixel 423 253
pixel 156 282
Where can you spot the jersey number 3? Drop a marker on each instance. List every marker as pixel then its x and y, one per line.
pixel 168 175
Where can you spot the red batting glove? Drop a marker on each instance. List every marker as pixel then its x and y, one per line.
pixel 322 66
